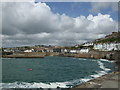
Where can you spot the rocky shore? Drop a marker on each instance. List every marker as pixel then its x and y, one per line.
pixel 111 80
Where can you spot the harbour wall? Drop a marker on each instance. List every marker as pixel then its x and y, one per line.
pixel 92 54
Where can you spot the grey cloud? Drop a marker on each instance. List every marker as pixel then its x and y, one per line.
pixel 98 6
pixel 30 24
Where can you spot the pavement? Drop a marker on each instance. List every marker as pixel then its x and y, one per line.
pixel 107 81
pixel 112 82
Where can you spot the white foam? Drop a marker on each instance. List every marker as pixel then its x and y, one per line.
pixel 35 85
pixel 106 60
pixel 82 59
pixel 85 79
pixel 99 74
pixel 101 65
pixel 93 60
pixel 67 84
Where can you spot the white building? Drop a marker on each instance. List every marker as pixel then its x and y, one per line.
pixel 73 51
pixel 107 46
pixel 84 50
pixel 29 50
pixel 65 50
pixel 88 44
pixel 6 50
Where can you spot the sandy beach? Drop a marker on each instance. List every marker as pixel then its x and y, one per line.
pixel 111 80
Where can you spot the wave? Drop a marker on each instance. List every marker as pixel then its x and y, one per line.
pixel 66 84
pixel 106 60
pixel 34 85
pixel 101 73
pixel 101 65
pixel 82 59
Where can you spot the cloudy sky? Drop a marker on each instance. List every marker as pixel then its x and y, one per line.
pixel 56 23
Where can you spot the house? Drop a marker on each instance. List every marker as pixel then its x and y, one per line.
pixel 37 49
pixel 84 50
pixel 107 46
pixel 32 50
pixel 8 50
pixel 73 51
pixel 49 50
pixel 57 50
pixel 65 50
pixel 88 44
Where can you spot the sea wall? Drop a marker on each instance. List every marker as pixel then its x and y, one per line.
pixel 94 54
pixel 52 54
pixel 91 54
pixel 26 55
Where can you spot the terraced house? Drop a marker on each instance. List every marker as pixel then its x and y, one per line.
pixel 109 43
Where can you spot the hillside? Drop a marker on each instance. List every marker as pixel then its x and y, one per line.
pixel 114 37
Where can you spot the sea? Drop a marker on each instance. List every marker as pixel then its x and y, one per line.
pixel 52 71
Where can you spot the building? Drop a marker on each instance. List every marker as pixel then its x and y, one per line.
pixel 57 50
pixel 88 44
pixel 107 46
pixel 109 43
pixel 32 50
pixel 84 50
pixel 73 51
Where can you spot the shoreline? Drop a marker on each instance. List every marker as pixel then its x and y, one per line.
pixel 103 81
pixel 96 82
pixel 43 55
pixel 110 60
pixel 92 55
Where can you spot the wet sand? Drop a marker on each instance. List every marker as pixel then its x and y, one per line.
pixel 111 80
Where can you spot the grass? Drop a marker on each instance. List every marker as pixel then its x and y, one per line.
pixel 113 39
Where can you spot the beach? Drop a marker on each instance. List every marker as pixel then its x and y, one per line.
pixel 111 80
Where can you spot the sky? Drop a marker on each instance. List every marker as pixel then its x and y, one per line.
pixel 56 23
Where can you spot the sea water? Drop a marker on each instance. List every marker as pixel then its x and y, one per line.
pixel 52 71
